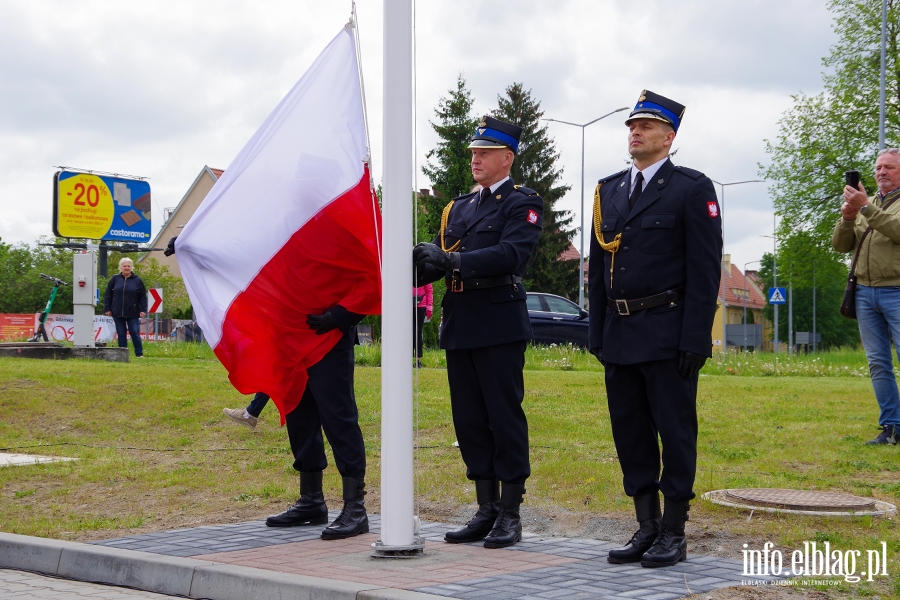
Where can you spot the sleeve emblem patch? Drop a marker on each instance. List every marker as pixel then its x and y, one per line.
pixel 532 217
pixel 713 209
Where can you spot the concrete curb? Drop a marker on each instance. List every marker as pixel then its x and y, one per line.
pixel 181 576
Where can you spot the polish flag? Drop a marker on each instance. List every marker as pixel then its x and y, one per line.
pixel 291 228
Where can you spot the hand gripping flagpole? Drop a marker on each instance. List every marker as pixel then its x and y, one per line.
pixel 399 535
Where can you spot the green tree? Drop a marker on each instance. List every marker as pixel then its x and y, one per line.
pixel 535 167
pixel 21 288
pixel 825 134
pixel 450 173
pixel 810 265
pixel 23 291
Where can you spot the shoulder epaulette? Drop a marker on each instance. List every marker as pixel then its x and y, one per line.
pixel 469 195
pixel 525 190
pixel 613 176
pixel 692 173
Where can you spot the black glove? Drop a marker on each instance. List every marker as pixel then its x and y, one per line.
pixel 336 317
pixel 321 323
pixel 689 364
pixel 420 270
pixel 598 354
pixel 170 247
pixel 430 254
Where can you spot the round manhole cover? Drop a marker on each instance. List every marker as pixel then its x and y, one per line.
pixel 801 499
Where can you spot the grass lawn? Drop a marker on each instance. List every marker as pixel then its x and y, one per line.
pixel 156 452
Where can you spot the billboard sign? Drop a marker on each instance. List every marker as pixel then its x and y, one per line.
pixel 101 207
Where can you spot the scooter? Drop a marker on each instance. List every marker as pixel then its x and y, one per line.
pixel 41 331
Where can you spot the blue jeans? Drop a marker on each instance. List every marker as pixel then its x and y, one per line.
pixel 134 330
pixel 257 404
pixel 878 313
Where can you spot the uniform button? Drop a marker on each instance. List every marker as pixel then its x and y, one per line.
pixel 625 248
pixel 490 226
pixel 657 222
pixel 622 292
pixel 463 248
pixel 628 229
pixel 622 270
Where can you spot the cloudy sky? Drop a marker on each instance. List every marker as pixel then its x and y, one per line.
pixel 161 89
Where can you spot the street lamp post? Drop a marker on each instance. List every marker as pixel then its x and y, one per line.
pixel 581 260
pixel 721 266
pixel 723 198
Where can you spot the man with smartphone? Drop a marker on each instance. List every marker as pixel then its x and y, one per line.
pixel 870 227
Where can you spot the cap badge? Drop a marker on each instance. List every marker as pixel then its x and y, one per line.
pixel 482 124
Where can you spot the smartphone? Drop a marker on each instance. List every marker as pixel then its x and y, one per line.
pixel 852 179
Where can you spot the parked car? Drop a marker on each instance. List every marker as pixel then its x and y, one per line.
pixel 556 320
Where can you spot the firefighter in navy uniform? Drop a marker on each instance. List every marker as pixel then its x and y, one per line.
pixel 485 241
pixel 328 404
pixel 656 246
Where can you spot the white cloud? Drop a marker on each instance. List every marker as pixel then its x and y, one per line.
pixel 160 89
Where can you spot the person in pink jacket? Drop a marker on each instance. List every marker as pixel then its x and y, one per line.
pixel 424 297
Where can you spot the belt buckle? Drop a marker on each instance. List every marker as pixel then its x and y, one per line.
pixel 456 284
pixel 620 304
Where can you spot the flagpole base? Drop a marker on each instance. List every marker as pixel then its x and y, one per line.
pixel 414 550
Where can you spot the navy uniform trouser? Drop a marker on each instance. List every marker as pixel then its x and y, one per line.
pixel 328 404
pixel 486 392
pixel 651 403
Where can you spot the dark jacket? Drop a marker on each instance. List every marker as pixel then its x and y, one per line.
pixel 125 297
pixel 672 238
pixel 496 239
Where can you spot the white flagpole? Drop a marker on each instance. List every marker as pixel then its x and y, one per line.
pixel 398 533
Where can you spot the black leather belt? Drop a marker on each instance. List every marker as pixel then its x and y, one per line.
pixel 482 283
pixel 626 307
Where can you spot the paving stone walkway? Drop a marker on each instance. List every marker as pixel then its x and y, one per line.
pixel 19 585
pixel 537 567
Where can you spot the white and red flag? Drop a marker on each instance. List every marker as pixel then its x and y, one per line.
pixel 291 228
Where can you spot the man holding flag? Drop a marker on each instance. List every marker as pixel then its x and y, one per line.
pixel 486 239
pixel 292 229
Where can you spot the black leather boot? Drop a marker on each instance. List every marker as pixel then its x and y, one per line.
pixel 646 507
pixel 310 509
pixel 670 546
pixel 352 520
pixel 508 527
pixel 487 491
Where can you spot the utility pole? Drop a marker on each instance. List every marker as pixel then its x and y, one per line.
pixel 581 204
pixel 881 143
pixel 814 309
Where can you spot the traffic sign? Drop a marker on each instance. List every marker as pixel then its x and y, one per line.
pixel 154 299
pixel 777 296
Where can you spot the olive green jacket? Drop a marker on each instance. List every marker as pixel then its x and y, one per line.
pixel 879 259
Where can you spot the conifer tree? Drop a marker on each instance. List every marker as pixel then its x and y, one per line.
pixel 450 172
pixel 535 167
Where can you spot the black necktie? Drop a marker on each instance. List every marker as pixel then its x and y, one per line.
pixel 484 194
pixel 638 186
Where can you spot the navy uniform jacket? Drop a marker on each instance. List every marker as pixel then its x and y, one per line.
pixel 672 238
pixel 496 239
